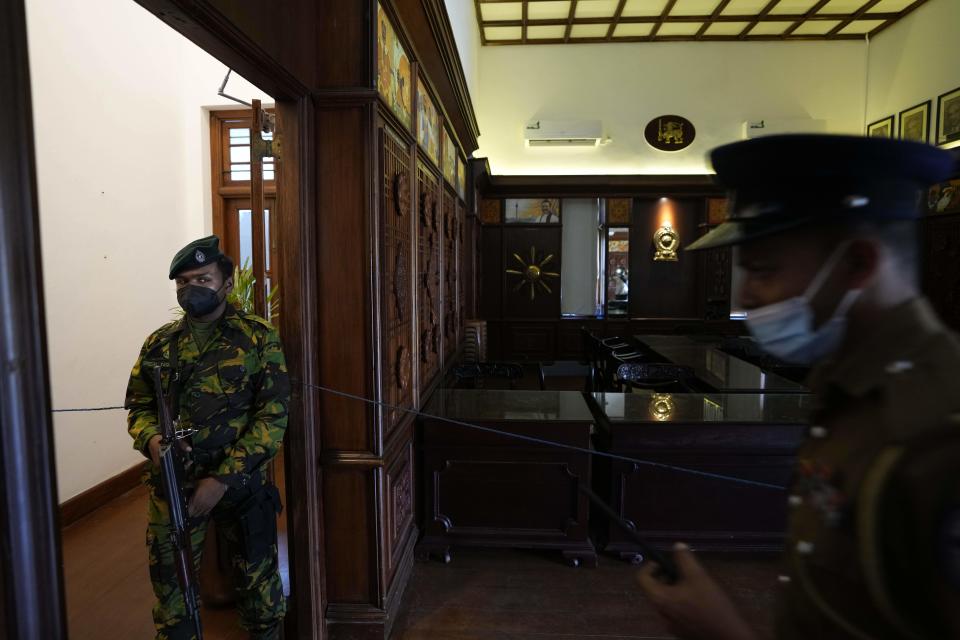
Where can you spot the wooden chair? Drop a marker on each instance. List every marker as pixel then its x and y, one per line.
pixel 472 375
pixel 656 376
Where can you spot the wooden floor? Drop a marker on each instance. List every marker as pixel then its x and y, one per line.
pixel 481 594
pixel 522 595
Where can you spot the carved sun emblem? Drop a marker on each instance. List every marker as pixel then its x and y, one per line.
pixel 533 273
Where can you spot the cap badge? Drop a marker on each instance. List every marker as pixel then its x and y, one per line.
pixel 200 256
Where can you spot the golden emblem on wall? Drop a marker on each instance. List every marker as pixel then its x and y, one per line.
pixel 666 242
pixel 669 133
pixel 661 407
pixel 533 273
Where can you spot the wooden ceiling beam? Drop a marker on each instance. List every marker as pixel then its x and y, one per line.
pixel 690 38
pixel 570 18
pixel 663 16
pixel 890 21
pixel 859 12
pixel 713 16
pixel 760 16
pixel 807 16
pixel 616 18
pixel 523 33
pixel 483 33
pixel 547 22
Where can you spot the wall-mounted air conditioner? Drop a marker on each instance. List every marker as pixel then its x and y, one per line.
pixel 563 133
pixel 769 127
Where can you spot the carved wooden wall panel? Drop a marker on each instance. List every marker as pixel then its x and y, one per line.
pixel 397 366
pixel 399 503
pixel 462 270
pixel 429 210
pixel 449 275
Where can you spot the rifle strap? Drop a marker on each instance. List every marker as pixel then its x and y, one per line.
pixel 173 385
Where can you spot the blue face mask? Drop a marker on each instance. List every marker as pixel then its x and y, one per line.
pixel 785 329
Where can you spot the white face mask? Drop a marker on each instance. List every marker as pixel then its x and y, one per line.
pixel 785 328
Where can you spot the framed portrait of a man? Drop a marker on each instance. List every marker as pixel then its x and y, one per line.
pixel 532 211
pixel 882 128
pixel 948 117
pixel 915 123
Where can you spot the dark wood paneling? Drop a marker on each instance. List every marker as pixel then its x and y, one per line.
pixel 491 273
pixel 529 340
pixel 95 497
pixel 664 289
pixel 485 490
pixel 449 273
pixel 398 491
pixel 349 504
pixel 531 244
pixel 601 186
pixel 346 264
pixel 297 268
pixel 397 219
pixel 31 577
pixel 667 506
pixel 429 207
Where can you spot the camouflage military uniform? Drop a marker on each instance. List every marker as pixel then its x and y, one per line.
pixel 874 542
pixel 234 392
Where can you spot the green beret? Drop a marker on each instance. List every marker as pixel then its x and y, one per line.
pixel 195 255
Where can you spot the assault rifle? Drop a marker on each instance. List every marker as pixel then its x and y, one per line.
pixel 171 476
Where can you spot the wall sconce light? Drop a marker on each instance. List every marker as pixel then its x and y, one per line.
pixel 666 242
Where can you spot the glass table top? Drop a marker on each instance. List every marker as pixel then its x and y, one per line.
pixel 649 406
pixel 725 372
pixel 506 405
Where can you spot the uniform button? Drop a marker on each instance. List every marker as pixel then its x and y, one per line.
pixel 795 501
pixel 804 548
pixel 783 579
pixel 899 366
pixel 816 431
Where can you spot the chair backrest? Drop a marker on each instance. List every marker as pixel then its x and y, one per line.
pixel 655 375
pixel 472 344
pixel 479 370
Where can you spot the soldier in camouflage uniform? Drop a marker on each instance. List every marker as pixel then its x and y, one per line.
pixel 827 232
pixel 230 384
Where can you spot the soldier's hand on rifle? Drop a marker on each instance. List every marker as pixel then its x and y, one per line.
pixel 154 446
pixel 206 496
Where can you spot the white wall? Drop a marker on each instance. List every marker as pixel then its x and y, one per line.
pixel 915 60
pixel 123 171
pixel 463 20
pixel 716 85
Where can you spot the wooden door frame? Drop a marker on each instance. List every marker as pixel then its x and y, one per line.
pixel 206 27
pixel 31 579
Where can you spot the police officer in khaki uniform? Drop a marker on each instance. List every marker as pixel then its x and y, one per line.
pixel 826 228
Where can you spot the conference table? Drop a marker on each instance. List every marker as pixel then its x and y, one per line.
pixel 717 370
pixel 750 437
pixel 490 490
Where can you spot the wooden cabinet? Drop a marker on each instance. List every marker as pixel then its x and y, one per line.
pixel 484 489
pixel 749 436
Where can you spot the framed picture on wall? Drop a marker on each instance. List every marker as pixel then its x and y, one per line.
pixel 882 128
pixel 915 123
pixel 532 211
pixel 948 117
